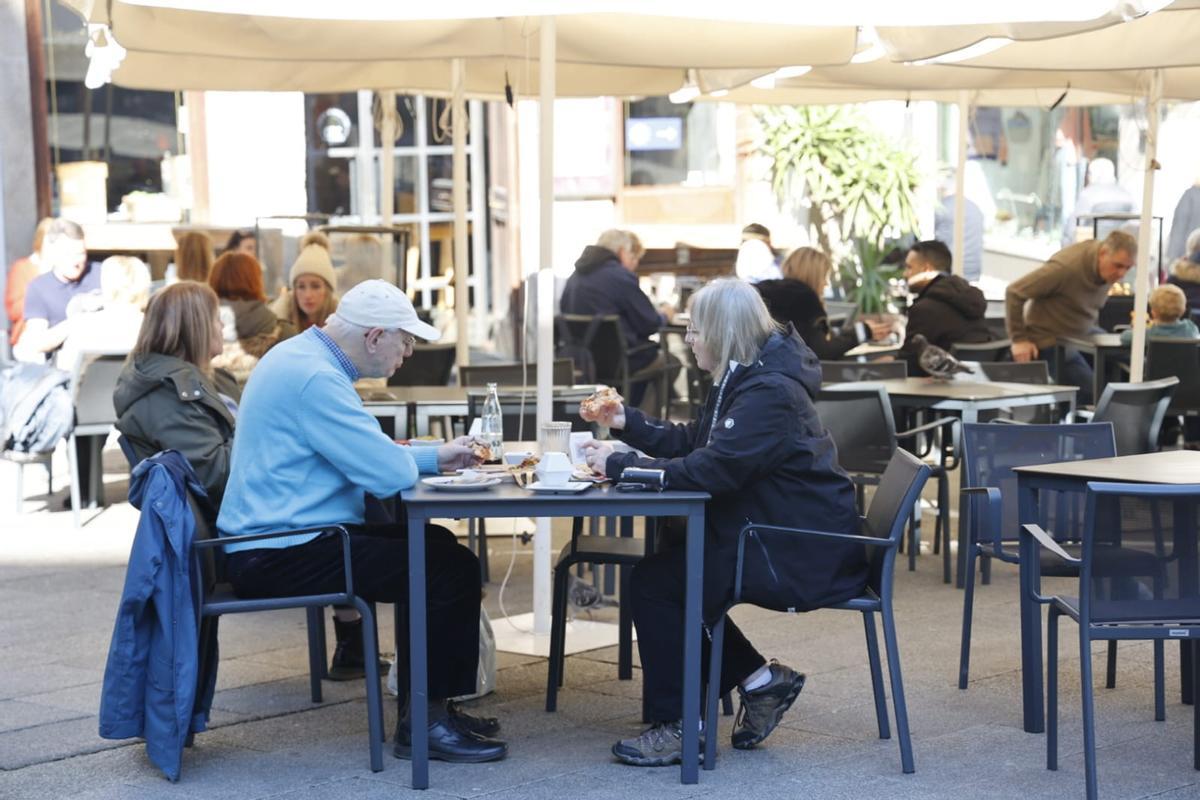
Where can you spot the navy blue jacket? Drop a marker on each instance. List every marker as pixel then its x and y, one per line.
pixel 766 459
pixel 600 286
pixel 150 682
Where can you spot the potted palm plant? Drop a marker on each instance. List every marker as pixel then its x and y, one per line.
pixel 857 185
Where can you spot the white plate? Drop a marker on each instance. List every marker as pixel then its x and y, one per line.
pixel 570 487
pixel 454 483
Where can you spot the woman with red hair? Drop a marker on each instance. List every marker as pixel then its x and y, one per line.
pixel 248 327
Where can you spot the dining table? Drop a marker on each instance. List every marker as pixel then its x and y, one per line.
pixel 1173 467
pixel 508 499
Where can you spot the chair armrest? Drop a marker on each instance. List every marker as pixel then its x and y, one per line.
pixel 992 517
pixel 220 541
pixel 845 537
pixel 1047 541
pixel 1006 421
pixel 1081 415
pixel 940 422
pixel 743 534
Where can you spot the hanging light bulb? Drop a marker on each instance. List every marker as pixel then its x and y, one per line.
pixel 689 91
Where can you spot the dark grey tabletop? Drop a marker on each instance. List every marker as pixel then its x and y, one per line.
pixel 1169 466
pixel 508 492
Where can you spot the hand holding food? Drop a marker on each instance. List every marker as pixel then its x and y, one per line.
pixel 453 456
pixel 605 406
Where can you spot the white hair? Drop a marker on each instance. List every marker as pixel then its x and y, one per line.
pixel 732 323
pixel 1193 243
pixel 617 240
pixel 1101 170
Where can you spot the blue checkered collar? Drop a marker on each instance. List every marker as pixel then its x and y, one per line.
pixel 338 354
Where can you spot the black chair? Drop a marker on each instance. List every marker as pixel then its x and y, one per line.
pixel 1117 310
pixel 604 340
pixel 429 365
pixel 217 598
pixel 1036 372
pixel 1136 411
pixel 515 374
pixel 854 371
pixel 995 350
pixel 1177 358
pixel 1159 602
pixel 316 624
pixel 860 421
pixel 988 510
pixel 899 488
pixel 997 327
pixel 93 381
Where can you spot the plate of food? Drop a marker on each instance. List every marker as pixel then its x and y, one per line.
pixel 601 401
pixel 468 481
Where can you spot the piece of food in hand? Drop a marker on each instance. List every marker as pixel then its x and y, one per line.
pixel 603 400
pixel 482 451
pixel 529 462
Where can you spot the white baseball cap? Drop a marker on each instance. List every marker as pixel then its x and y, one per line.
pixel 379 304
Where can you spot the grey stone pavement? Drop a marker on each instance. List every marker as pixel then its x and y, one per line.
pixel 59 590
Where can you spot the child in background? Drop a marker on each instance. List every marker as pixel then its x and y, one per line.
pixel 1168 304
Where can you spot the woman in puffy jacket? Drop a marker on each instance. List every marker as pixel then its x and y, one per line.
pixel 760 450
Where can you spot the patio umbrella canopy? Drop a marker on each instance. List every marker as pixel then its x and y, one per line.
pixel 616 48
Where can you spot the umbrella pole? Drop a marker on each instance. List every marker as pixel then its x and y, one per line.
pixel 387 172
pixel 960 182
pixel 461 254
pixel 545 305
pixel 1137 353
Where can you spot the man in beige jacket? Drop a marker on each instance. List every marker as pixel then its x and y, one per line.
pixel 1063 297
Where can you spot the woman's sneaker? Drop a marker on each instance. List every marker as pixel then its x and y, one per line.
pixel 658 746
pixel 762 709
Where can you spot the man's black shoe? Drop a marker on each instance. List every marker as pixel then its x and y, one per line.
pixel 762 709
pixel 447 742
pixel 480 726
pixel 348 663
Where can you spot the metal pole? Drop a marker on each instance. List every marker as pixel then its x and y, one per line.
pixel 387 171
pixel 462 257
pixel 545 304
pixel 960 184
pixel 1141 283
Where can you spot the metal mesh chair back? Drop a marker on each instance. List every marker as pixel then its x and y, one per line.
pixel 981 351
pixel 861 424
pixel 852 371
pixel 429 365
pixel 1139 556
pixel 1177 358
pixel 602 338
pixel 1136 411
pixel 891 506
pixel 990 452
pixel 1022 372
pixel 514 374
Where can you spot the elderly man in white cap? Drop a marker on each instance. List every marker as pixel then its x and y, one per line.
pixel 305 453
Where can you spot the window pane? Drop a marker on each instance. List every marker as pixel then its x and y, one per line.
pixel 441 184
pixel 331 185
pixel 405 185
pixel 437 121
pixel 671 143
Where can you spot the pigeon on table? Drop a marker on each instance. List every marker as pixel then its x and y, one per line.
pixel 937 362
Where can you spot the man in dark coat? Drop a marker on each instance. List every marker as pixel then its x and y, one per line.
pixel 605 283
pixel 947 308
pixel 760 450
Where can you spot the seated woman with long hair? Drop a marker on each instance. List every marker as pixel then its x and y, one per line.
pixel 796 298
pixel 248 328
pixel 760 450
pixel 169 396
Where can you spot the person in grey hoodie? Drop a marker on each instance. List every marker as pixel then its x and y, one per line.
pixel 169 397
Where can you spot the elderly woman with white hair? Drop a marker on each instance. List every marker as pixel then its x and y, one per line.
pixel 760 450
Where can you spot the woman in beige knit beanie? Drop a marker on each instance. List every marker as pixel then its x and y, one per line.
pixel 309 298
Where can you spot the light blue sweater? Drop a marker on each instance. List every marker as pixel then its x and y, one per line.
pixel 306 450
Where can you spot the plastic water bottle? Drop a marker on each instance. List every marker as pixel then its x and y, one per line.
pixel 492 422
